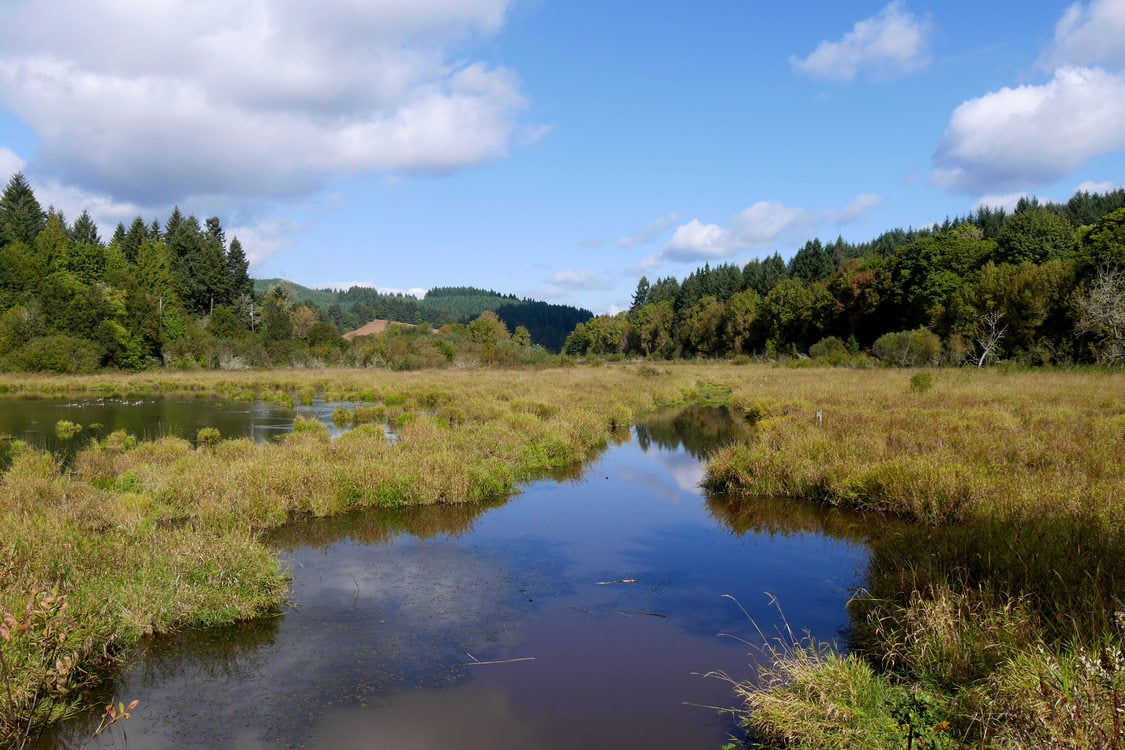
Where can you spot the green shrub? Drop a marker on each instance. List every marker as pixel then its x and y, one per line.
pixel 917 348
pixel 207 437
pixel 920 382
pixel 65 355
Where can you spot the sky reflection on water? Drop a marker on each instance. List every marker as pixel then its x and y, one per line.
pixel 390 609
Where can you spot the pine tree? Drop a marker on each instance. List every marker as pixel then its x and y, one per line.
pixel 133 239
pixel 640 296
pixel 54 244
pixel 173 223
pixel 21 216
pixel 238 269
pixel 85 231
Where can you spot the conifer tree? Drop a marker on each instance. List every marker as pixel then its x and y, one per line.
pixel 21 216
pixel 238 269
pixel 131 243
pixel 85 231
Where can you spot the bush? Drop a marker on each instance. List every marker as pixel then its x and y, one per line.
pixel 207 437
pixel 920 382
pixel 830 350
pixel 919 348
pixel 61 354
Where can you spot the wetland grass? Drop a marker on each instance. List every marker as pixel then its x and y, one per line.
pixel 996 614
pixel 1013 484
pixel 141 537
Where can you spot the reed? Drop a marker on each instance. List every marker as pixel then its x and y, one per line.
pixel 140 537
pixel 999 603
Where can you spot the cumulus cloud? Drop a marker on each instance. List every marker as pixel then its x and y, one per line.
pixel 762 225
pixel 1018 137
pixel 1089 186
pixel 696 240
pixel 859 206
pixel 575 279
pixel 265 238
pixel 649 233
pixel 160 102
pixel 1006 201
pixel 892 43
pixel 10 163
pixel 1089 34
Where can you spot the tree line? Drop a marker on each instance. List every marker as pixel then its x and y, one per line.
pixel 178 294
pixel 1043 284
pixel 548 324
pixel 153 294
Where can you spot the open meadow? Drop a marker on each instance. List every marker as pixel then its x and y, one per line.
pixel 995 618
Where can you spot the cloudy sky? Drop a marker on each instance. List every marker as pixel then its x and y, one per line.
pixel 556 149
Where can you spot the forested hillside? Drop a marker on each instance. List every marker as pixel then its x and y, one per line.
pixel 178 294
pixel 72 302
pixel 1044 284
pixel 547 324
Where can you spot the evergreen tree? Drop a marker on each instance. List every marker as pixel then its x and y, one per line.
pixel 215 233
pixel 53 243
pixel 174 222
pixel 85 231
pixel 640 296
pixel 238 270
pixel 131 242
pixel 21 216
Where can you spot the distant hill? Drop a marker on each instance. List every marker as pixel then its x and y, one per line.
pixel 549 324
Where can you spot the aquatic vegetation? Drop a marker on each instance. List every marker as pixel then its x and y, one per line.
pixel 1012 481
pixel 146 536
pixel 66 428
pixel 1006 586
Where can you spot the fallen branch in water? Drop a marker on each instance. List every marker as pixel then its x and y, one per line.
pixel 477 662
pixel 631 612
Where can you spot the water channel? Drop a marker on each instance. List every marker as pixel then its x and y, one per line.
pixel 583 612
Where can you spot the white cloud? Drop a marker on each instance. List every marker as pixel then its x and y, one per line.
pixel 265 238
pixel 576 279
pixel 891 43
pixel 1006 201
pixel 859 206
pixel 696 240
pixel 1030 135
pixel 763 225
pixel 160 102
pixel 10 163
pixel 1092 34
pixel 649 233
pixel 1089 186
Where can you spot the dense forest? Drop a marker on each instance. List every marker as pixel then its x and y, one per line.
pixel 547 324
pixel 1044 284
pixel 178 294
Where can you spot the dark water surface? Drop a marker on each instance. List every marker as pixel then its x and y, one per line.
pixel 608 589
pixel 145 417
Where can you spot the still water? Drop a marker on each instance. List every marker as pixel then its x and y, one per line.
pixel 582 613
pixel 34 421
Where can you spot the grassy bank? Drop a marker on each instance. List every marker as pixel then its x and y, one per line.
pixel 1003 588
pixel 135 538
pixel 995 618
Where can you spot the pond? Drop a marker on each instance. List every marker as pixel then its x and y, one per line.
pixel 585 613
pixel 35 421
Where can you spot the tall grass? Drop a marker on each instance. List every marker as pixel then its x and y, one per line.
pixel 142 537
pixel 1000 603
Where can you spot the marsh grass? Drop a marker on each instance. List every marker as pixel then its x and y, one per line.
pixel 1012 485
pixel 1002 593
pixel 143 537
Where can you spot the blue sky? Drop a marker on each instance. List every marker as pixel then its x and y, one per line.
pixel 550 149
